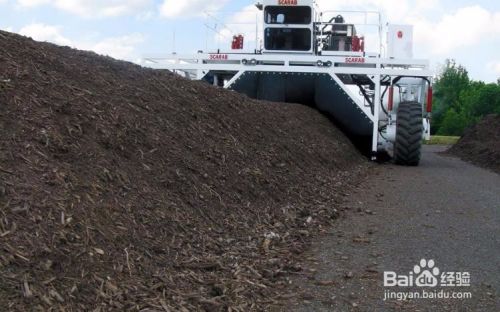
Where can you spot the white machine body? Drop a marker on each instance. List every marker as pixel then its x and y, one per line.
pixel 400 41
pixel 319 58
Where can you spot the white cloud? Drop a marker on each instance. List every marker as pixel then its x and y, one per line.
pixel 145 16
pixel 495 66
pixel 42 32
pixel 7 28
pixel 466 27
pixel 32 3
pixel 121 47
pixel 394 12
pixel 92 8
pixel 189 8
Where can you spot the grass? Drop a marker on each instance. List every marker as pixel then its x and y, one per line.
pixel 442 140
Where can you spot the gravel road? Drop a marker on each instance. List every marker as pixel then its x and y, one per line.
pixel 446 210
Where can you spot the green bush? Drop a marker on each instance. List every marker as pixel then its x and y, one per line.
pixel 460 102
pixel 453 123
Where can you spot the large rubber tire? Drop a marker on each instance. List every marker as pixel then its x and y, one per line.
pixel 409 133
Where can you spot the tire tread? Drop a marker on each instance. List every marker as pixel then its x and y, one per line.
pixel 409 132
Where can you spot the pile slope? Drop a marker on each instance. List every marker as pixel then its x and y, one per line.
pixel 480 144
pixel 125 188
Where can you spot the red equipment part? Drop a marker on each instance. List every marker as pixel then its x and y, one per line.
pixel 355 44
pixel 358 44
pixel 429 99
pixel 390 103
pixel 237 43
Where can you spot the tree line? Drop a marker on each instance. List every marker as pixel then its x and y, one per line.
pixel 460 102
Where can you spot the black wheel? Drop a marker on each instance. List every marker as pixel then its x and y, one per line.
pixel 409 132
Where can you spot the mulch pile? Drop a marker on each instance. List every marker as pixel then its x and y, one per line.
pixel 481 143
pixel 125 188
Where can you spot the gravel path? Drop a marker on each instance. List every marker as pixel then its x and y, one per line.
pixel 446 210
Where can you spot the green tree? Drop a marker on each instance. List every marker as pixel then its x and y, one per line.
pixel 454 123
pixel 484 100
pixel 453 80
pixel 469 101
pixel 461 102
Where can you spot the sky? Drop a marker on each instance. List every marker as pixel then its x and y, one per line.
pixel 467 31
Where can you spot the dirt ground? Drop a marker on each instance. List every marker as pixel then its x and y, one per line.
pixel 481 144
pixel 445 210
pixel 124 188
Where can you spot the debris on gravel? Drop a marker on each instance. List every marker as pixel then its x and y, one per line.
pixel 481 143
pixel 126 188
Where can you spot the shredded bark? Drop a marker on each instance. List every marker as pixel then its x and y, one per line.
pixel 480 144
pixel 126 188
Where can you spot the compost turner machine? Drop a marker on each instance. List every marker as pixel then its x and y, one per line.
pixel 318 59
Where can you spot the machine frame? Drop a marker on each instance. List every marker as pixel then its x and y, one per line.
pixel 340 66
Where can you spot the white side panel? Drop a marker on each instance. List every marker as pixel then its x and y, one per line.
pixel 400 41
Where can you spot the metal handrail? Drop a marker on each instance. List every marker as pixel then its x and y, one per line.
pixel 225 24
pixel 366 14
